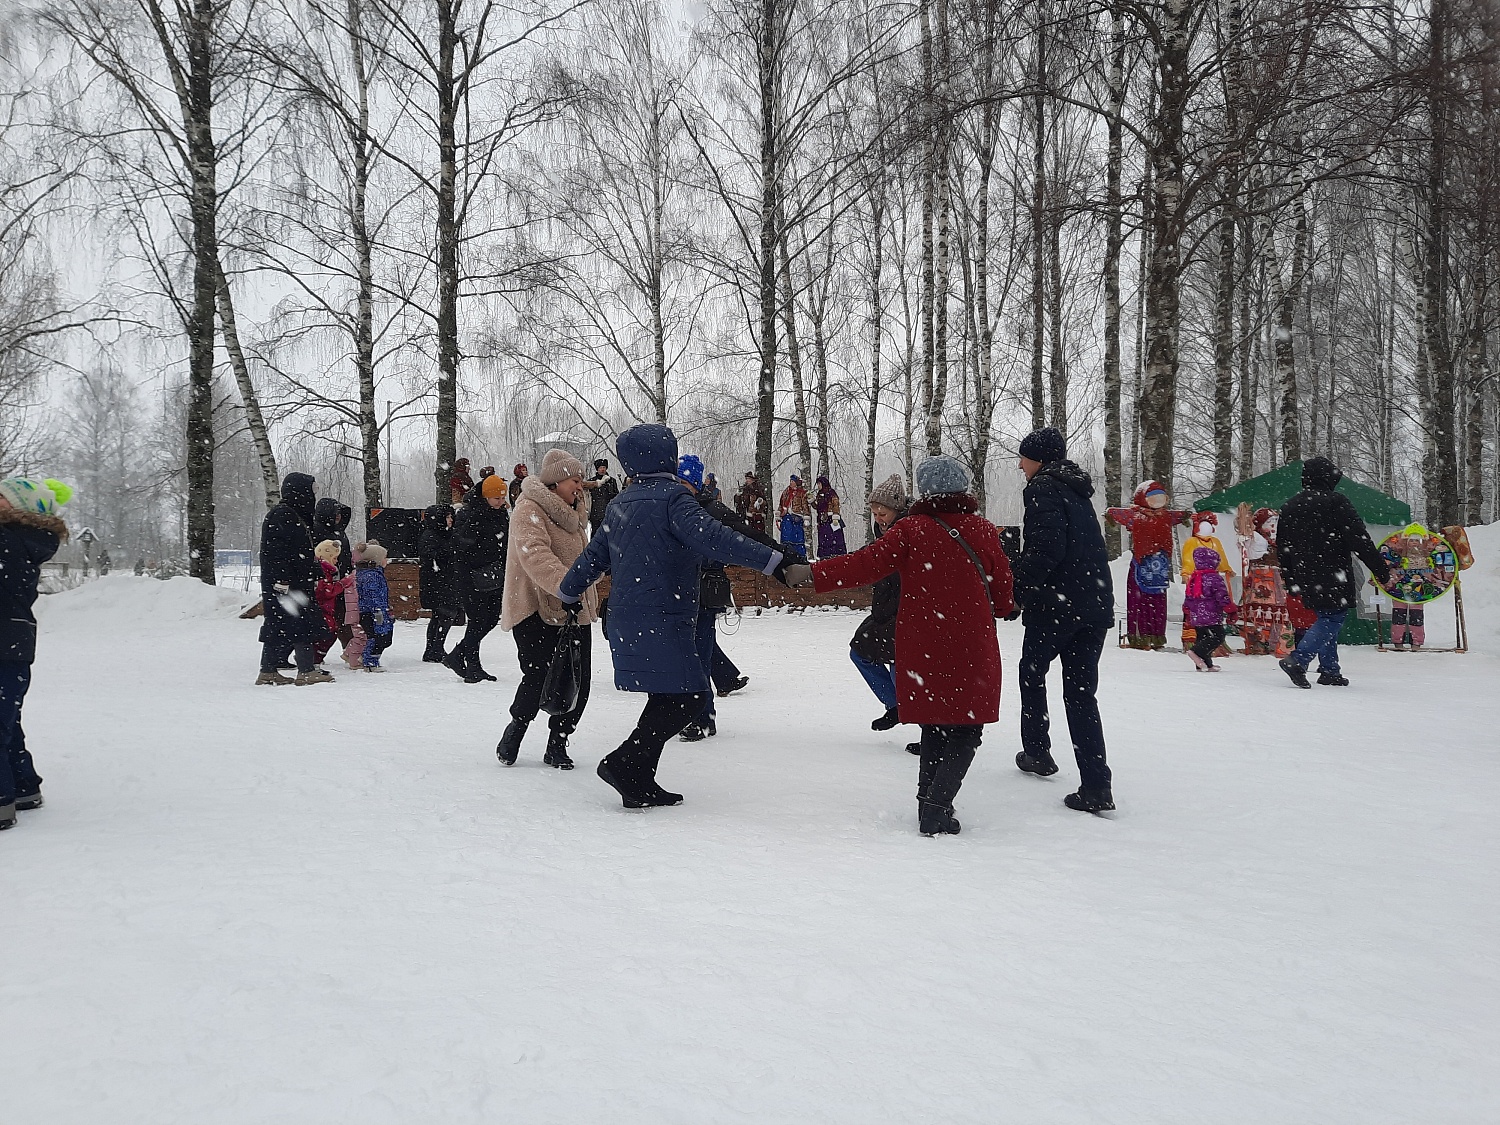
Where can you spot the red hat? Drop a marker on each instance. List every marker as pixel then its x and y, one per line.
pixel 1145 489
pixel 1199 517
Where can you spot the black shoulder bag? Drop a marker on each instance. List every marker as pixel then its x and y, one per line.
pixel 564 680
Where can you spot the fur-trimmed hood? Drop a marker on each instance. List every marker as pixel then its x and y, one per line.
pixel 54 524
pixel 568 518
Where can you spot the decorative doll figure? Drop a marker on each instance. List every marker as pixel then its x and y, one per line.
pixel 1149 521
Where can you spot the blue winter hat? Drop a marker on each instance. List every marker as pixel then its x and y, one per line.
pixel 647 449
pixel 1044 445
pixel 939 475
pixel 690 469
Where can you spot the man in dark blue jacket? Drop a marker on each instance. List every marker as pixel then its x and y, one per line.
pixel 30 533
pixel 1063 585
pixel 651 543
pixel 289 572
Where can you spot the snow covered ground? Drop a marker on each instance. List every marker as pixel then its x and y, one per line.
pixel 330 904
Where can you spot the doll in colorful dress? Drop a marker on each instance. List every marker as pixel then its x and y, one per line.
pixel 1149 521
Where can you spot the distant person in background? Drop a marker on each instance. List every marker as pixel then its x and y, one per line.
pixel 750 502
pixel 31 532
pixel 515 485
pixel 711 489
pixel 603 488
pixel 289 574
pixel 1317 533
pixel 459 481
pixel 438 587
pixel 104 561
pixel 793 516
pixel 140 566
pixel 830 521
pixel 480 534
pixel 331 521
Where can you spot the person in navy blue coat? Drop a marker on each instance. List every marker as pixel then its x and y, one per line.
pixel 652 542
pixel 1067 599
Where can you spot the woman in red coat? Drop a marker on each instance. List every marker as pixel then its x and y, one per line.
pixel 947 653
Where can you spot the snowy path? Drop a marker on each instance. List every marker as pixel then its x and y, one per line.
pixel 331 905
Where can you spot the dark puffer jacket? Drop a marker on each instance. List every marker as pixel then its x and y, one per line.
pixel 1062 577
pixel 479 541
pixel 439 577
pixel 27 540
pixel 652 543
pixel 1317 532
pixel 714 590
pixel 287 559
pixel 331 521
pixel 875 639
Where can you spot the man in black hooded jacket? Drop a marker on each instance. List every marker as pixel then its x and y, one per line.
pixel 331 521
pixel 1066 593
pixel 1316 533
pixel 289 572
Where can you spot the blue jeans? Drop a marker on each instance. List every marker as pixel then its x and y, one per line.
pixel 707 641
pixel 879 676
pixel 17 774
pixel 1322 640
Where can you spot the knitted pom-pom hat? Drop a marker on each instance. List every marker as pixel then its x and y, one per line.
pixel 40 497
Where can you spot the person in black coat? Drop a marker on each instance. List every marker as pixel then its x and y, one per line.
pixel 602 489
pixel 289 572
pixel 715 595
pixel 30 533
pixel 1316 533
pixel 1067 600
pixel 438 586
pixel 331 521
pixel 873 647
pixel 480 531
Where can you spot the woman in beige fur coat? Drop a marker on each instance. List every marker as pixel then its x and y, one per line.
pixel 549 528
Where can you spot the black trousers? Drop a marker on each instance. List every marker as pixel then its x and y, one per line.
pixel 947 752
pixel 663 718
pixel 536 642
pixel 484 615
pixel 1080 647
pixel 273 654
pixel 1210 637
pixel 722 669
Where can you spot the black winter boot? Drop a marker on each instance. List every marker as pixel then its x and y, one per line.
pixel 936 820
pixel 457 663
pixel 1027 762
pixel 945 766
pixel 697 732
pixel 510 743
pixel 7 816
pixel 1091 800
pixel 557 751
pixel 630 796
pixel 1294 672
pixel 886 721
pixel 1332 679
pixel 913 747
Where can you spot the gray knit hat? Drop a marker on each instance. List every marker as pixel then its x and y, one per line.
pixel 939 475
pixel 891 492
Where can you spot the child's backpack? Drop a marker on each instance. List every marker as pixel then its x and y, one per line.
pixel 1153 574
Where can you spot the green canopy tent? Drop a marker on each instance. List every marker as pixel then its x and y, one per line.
pixel 1274 489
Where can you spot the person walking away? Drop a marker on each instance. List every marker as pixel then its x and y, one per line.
pixel 480 532
pixel 289 574
pixel 1067 603
pixel 438 580
pixel 715 594
pixel 793 517
pixel 1205 606
pixel 1150 521
pixel 830 521
pixel 339 601
pixel 459 481
pixel 711 489
pixel 375 616
pixel 1318 532
pixel 331 521
pixel 31 532
pixel 750 502
pixel 547 535
pixel 603 488
pixel 652 544
pixel 105 563
pixel 1204 524
pixel 873 646
pixel 955 580
pixel 522 472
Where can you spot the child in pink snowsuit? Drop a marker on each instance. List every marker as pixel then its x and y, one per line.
pixel 337 598
pixel 1205 607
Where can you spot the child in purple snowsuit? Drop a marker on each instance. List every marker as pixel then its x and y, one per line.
pixel 1205 608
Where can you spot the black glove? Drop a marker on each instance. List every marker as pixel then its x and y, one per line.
pixel 1014 615
pixel 572 611
pixel 790 559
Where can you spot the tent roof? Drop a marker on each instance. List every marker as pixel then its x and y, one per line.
pixel 1273 489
